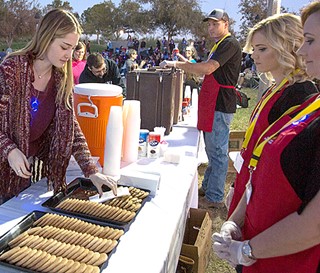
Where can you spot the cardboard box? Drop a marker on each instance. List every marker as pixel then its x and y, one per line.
pixel 197 243
pixel 235 144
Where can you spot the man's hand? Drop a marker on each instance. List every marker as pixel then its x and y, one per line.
pixel 99 179
pixel 167 64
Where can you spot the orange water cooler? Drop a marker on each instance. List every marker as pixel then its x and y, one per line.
pixel 92 102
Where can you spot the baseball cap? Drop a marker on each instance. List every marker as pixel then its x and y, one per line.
pixel 217 14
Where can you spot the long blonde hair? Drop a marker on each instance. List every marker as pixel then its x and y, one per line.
pixel 57 23
pixel 284 33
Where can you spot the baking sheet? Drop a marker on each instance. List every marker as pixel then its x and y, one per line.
pixel 82 188
pixel 27 223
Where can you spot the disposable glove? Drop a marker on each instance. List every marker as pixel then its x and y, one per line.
pixel 99 179
pixel 230 250
pixel 236 254
pixel 220 245
pixel 167 64
pixel 230 228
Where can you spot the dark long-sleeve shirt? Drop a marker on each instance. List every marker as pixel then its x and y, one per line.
pixel 112 75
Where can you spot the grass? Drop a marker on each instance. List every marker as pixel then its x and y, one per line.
pixel 218 216
pixel 241 117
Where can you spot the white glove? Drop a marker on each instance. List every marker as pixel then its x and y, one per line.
pixel 220 246
pixel 229 197
pixel 99 179
pixel 231 229
pixel 236 254
pixel 167 64
pixel 230 250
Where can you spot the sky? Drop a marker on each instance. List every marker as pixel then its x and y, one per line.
pixel 230 6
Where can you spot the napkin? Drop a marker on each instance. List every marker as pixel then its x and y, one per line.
pixel 108 195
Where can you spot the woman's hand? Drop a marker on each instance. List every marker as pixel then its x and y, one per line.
pixel 181 57
pixel 19 163
pixel 231 250
pixel 99 179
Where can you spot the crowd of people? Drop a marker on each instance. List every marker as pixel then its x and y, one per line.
pixel 111 65
pixel 151 55
pixel 273 215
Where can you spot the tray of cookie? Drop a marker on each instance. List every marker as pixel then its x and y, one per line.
pixel 50 242
pixel 120 211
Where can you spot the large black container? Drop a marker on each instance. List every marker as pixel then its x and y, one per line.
pixel 156 91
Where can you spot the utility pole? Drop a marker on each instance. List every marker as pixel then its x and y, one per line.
pixel 273 8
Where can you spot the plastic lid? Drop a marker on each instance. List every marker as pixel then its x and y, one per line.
pixel 98 89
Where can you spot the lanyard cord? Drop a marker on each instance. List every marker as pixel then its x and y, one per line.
pixel 214 48
pixel 258 109
pixel 300 116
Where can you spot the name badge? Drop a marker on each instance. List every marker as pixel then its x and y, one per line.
pixel 238 162
pixel 248 191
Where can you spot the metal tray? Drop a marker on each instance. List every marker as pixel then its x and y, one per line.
pixel 27 223
pixel 82 188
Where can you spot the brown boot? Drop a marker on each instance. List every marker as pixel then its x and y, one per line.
pixel 185 264
pixel 201 192
pixel 204 203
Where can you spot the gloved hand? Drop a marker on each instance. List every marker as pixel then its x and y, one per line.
pixel 167 64
pixel 99 179
pixel 230 250
pixel 231 229
pixel 220 245
pixel 229 197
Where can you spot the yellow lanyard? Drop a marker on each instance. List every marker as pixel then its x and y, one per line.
pixel 258 109
pixel 300 116
pixel 214 48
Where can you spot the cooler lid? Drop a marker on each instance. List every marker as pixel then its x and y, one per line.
pixel 98 89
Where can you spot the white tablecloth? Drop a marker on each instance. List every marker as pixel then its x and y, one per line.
pixel 153 242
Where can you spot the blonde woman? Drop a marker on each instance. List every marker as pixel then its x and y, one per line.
pixel 191 80
pixel 273 43
pixel 36 109
pixel 275 226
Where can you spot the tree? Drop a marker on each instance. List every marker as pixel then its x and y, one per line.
pixel 252 12
pixel 174 17
pixel 133 17
pixel 17 19
pixel 58 4
pixel 100 19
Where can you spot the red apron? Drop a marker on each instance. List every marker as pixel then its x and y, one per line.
pixel 207 102
pixel 261 125
pixel 275 200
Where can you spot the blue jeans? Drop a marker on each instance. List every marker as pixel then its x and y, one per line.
pixel 216 147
